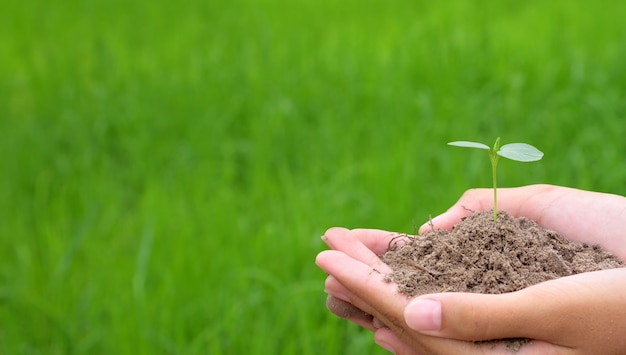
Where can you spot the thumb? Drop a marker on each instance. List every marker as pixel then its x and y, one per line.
pixel 472 317
pixel 578 310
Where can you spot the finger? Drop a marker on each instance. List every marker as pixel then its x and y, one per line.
pixel 338 302
pixel 351 243
pixel 333 287
pixel 345 309
pixel 376 240
pixel 332 233
pixel 349 312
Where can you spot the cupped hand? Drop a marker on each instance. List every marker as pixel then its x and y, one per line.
pixel 580 314
pixel 358 292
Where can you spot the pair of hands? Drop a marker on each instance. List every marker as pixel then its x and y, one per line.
pixel 579 314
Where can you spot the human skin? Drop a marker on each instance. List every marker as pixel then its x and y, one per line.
pixel 579 314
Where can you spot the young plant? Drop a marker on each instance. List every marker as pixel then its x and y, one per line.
pixel 515 151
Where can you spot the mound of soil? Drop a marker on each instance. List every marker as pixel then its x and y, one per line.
pixel 481 256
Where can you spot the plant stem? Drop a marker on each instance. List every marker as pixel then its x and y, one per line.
pixel 494 164
pixel 495 189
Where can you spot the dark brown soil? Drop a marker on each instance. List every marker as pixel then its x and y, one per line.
pixel 481 256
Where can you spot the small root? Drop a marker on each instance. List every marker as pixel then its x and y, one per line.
pixel 393 243
pixel 430 223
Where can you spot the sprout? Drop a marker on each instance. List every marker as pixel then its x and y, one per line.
pixel 515 151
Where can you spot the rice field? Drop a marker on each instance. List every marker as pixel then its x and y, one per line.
pixel 168 167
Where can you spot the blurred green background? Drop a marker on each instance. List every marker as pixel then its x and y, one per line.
pixel 168 167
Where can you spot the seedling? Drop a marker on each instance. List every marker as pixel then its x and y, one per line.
pixel 515 151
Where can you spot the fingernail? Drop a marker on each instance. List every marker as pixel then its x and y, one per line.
pixel 423 315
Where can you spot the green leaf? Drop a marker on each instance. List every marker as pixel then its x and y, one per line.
pixel 520 152
pixel 466 144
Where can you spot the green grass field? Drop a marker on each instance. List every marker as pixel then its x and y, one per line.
pixel 168 167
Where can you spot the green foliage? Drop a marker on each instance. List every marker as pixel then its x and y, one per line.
pixel 168 167
pixel 515 151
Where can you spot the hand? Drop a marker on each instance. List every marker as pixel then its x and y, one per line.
pixel 584 313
